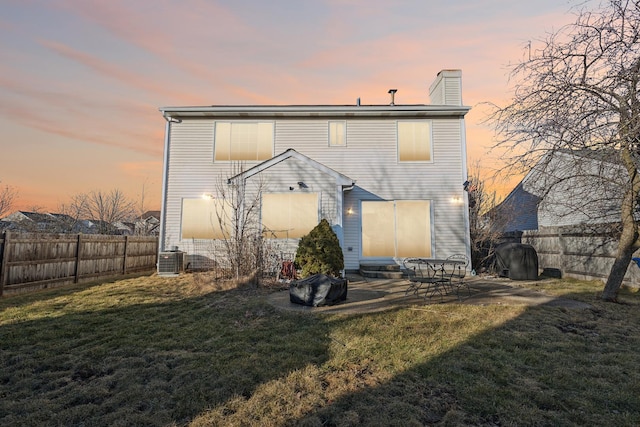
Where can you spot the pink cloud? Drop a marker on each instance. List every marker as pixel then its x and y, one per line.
pixel 169 32
pixel 40 120
pixel 118 73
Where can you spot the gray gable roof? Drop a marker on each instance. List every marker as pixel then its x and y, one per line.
pixel 341 179
pixel 517 212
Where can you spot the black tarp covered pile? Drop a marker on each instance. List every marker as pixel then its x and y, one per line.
pixel 517 261
pixel 318 290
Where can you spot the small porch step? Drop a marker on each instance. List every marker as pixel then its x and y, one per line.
pixel 381 271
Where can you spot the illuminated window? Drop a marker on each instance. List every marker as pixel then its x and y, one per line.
pixel 201 218
pixel 289 215
pixel 414 141
pixel 243 141
pixel 337 134
pixel 399 228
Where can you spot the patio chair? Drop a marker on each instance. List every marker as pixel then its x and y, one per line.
pixel 410 267
pixel 458 273
pixel 423 277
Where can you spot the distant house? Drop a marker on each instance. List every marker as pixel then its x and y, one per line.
pixel 32 221
pixel 148 224
pixel 123 228
pixel 565 189
pixel 7 226
pixel 388 178
pixel 38 222
pixel 69 224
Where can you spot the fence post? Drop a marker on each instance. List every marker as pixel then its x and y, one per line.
pixel 124 258
pixel 3 261
pixel 76 273
pixel 562 243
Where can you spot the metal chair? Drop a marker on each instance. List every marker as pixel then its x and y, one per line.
pixel 423 277
pixel 458 273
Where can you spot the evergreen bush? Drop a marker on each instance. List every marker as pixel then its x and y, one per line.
pixel 320 252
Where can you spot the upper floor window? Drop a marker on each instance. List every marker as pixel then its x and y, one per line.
pixel 414 141
pixel 337 134
pixel 243 141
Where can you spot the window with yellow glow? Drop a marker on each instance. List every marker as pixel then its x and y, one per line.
pixel 337 134
pixel 414 141
pixel 288 215
pixel 200 218
pixel 399 228
pixel 237 141
pixel 378 229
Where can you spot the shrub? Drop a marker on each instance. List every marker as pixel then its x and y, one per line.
pixel 320 252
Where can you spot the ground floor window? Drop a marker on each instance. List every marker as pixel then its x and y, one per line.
pixel 288 215
pixel 400 228
pixel 201 218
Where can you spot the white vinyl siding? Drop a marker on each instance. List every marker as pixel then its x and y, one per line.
pixel 369 158
pixel 372 163
pixel 447 88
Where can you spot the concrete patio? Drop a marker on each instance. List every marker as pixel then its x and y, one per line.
pixel 370 295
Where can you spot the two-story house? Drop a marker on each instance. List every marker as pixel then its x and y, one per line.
pixel 388 178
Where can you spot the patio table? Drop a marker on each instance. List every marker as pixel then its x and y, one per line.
pixel 433 276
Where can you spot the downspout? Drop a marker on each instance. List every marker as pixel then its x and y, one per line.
pixel 340 190
pixel 165 178
pixel 465 176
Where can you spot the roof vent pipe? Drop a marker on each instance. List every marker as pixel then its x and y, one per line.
pixel 358 102
pixel 393 95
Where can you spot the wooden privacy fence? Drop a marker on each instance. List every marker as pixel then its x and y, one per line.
pixel 30 261
pixel 578 253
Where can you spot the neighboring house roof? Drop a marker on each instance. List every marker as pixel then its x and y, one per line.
pixel 341 179
pixel 30 216
pixel 63 223
pixel 517 212
pixel 150 215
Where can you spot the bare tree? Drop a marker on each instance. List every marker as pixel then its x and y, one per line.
pixel 486 223
pixel 8 196
pixel 103 208
pixel 237 217
pixel 142 227
pixel 73 213
pixel 579 95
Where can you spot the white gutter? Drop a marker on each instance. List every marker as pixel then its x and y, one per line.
pixel 249 111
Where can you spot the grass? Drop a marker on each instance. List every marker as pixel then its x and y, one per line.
pixel 191 351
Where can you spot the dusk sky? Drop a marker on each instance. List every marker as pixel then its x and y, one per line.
pixel 81 81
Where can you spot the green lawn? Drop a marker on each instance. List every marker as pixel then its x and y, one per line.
pixel 189 351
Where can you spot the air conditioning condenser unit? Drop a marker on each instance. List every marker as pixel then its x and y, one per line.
pixel 170 263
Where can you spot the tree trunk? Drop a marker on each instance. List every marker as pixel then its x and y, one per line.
pixel 618 270
pixel 626 246
pixel 628 242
